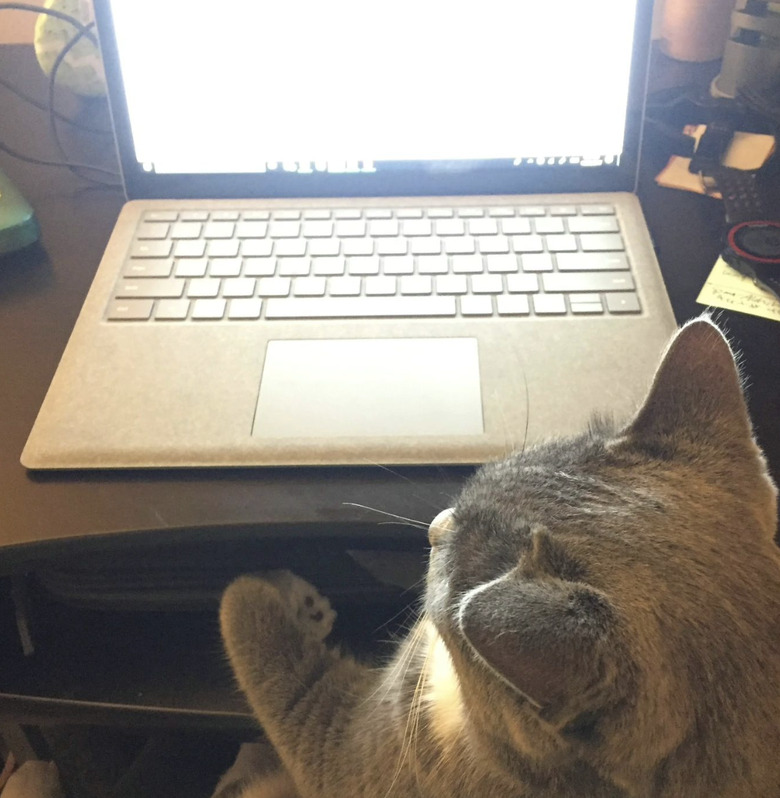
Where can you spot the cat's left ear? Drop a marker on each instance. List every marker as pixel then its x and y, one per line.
pixel 696 396
pixel 548 639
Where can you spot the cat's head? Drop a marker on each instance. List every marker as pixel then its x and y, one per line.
pixel 606 597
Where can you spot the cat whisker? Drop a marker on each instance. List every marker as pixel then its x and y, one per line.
pixel 411 521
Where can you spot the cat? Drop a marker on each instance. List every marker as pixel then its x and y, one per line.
pixel 601 618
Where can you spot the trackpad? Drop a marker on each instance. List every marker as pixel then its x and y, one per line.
pixel 376 388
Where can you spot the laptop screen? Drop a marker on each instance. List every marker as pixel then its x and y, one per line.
pixel 305 94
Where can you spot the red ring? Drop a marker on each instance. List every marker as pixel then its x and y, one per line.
pixel 747 255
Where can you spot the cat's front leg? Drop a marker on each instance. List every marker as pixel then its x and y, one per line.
pixel 273 633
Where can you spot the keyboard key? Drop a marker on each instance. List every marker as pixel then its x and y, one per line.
pixel 498 245
pixel 317 229
pixel 452 284
pixel 208 309
pixel 486 284
pixel 440 213
pixel 328 266
pixel 284 229
pixel 259 267
pixel 368 265
pixel 227 248
pixel 309 286
pixel 294 267
pixel 189 249
pixel 588 281
pixel 151 249
pixel 152 230
pixel 529 243
pixel 522 283
pixel 286 215
pixel 470 213
pixel 460 246
pixel 347 228
pixel 601 242
pixel 391 246
pixel 561 243
pixel 432 264
pixel 191 267
pixel 532 210
pixel 291 247
pixel 316 213
pixel 563 210
pixel 398 264
pixel 344 286
pixel 256 247
pixel 450 227
pixel 347 213
pixel 186 230
pixel 161 216
pixel 357 246
pixel 623 303
pixel 383 227
pixel 417 284
pixel 476 305
pixel 417 227
pixel 378 213
pixel 148 267
pixel 585 303
pixel 238 287
pixel 466 264
pixel 206 287
pixel 549 224
pixel 224 216
pixel 483 227
pixel 516 226
pixel 245 308
pixel 501 210
pixel 592 262
pixel 512 305
pixel 218 229
pixel 425 246
pixel 129 309
pixel 194 216
pixel 502 264
pixel 549 304
pixel 150 288
pixel 172 309
pixel 273 286
pixel 541 262
pixel 256 216
pixel 593 224
pixel 225 267
pixel 324 246
pixel 251 229
pixel 381 286
pixel 597 210
pixel 409 213
pixel 359 307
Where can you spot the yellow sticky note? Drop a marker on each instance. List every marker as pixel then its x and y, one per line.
pixel 727 288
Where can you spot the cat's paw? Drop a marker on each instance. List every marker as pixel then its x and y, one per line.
pixel 311 610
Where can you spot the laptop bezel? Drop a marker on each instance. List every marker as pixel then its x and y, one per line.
pixel 526 179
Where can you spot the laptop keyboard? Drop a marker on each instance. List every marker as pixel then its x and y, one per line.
pixel 243 265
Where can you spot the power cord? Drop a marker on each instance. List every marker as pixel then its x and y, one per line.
pixel 82 31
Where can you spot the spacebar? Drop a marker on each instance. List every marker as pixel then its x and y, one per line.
pixel 358 307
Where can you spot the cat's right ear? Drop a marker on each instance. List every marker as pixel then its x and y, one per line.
pixel 696 396
pixel 441 526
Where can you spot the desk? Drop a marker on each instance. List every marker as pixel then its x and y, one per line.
pixel 211 524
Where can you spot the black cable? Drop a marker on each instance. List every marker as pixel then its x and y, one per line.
pixel 43 107
pixel 50 12
pixel 81 31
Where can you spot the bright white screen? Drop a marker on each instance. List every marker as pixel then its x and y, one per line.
pixel 237 85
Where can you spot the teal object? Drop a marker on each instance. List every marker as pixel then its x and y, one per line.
pixel 18 226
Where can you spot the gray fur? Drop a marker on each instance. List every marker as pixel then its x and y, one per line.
pixel 610 606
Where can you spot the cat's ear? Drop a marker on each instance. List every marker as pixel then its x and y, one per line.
pixel 547 638
pixel 696 396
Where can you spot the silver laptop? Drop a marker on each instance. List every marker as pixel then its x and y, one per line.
pixel 388 233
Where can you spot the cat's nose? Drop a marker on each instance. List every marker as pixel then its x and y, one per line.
pixel 442 525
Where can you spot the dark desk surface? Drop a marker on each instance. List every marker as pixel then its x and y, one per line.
pixel 66 517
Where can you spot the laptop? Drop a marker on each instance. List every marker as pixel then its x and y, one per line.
pixel 400 233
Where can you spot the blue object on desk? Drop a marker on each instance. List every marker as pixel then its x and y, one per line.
pixel 18 226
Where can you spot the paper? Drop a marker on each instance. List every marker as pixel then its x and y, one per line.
pixel 727 288
pixel 746 151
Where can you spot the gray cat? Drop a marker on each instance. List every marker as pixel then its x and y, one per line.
pixel 602 618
